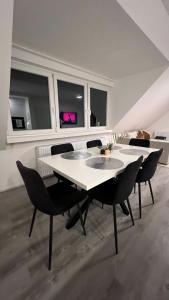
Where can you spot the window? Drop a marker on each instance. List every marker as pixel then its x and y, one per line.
pixel 71 103
pixel 98 107
pixel 29 101
pixel 47 104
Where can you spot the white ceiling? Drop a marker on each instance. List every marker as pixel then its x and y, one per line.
pixel 93 34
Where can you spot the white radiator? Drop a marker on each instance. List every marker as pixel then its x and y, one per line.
pixel 42 151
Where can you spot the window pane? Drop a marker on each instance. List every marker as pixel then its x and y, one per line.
pixel 29 101
pixel 98 106
pixel 71 104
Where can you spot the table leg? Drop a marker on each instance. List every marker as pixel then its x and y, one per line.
pixel 75 215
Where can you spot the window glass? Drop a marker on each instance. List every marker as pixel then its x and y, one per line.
pixel 98 107
pixel 71 104
pixel 29 101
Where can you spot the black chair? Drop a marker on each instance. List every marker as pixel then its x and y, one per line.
pixel 53 200
pixel 117 190
pixel 94 143
pixel 146 172
pixel 58 149
pixel 139 142
pixel 159 137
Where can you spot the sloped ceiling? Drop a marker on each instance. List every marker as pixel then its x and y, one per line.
pixel 161 124
pixel 150 107
pixel 152 18
pixel 166 5
pixel 154 103
pixel 93 34
pixel 128 90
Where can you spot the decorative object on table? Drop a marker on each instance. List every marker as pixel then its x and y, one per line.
pixel 110 146
pixel 107 149
pixel 107 152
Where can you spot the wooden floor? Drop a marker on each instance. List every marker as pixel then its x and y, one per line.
pixel 86 267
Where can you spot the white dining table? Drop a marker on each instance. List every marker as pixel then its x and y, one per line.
pixel 86 177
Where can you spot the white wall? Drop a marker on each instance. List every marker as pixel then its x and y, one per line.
pixel 6 20
pixel 151 106
pixel 161 124
pixel 128 91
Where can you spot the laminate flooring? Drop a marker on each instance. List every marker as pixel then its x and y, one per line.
pixel 87 267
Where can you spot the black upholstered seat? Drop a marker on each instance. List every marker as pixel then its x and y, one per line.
pixel 139 142
pixel 116 191
pixel 146 172
pixel 58 149
pixel 53 200
pixel 94 143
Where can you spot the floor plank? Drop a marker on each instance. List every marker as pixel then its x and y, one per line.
pixel 86 267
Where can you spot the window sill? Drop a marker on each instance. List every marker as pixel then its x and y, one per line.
pixel 12 139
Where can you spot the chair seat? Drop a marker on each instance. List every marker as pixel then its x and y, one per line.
pixel 104 192
pixel 64 197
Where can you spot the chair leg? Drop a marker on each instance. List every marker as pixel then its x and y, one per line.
pixel 134 188
pixel 86 212
pixel 130 211
pixel 81 219
pixel 151 191
pixel 115 228
pixel 139 195
pixel 68 213
pixel 50 242
pixel 102 205
pixel 32 223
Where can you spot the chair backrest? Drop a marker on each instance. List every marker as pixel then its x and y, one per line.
pixel 159 137
pixel 139 142
pixel 149 166
pixel 62 148
pixel 126 180
pixel 94 143
pixel 36 189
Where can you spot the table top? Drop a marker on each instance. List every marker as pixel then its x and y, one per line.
pixel 92 168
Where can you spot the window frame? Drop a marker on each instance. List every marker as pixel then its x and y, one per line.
pixel 53 75
pixel 102 88
pixel 74 80
pixel 34 132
